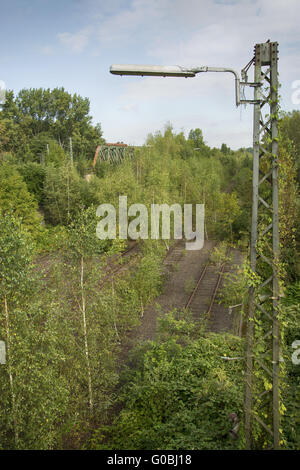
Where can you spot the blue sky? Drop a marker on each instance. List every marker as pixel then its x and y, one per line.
pixel 72 43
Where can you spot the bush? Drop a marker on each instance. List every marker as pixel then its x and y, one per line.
pixel 179 397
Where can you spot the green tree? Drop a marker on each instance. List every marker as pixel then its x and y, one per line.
pixel 14 270
pixel 225 149
pixel 180 392
pixel 34 177
pixel 36 116
pixel 290 130
pixel 83 243
pixel 61 193
pixel 228 211
pixel 15 197
pixel 197 137
pixel 33 396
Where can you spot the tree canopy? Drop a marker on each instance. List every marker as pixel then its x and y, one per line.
pixel 36 117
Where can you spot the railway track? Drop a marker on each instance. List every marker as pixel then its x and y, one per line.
pixel 202 300
pixel 174 255
pixel 117 269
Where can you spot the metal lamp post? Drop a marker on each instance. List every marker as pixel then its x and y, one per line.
pixel 173 71
pixel 261 404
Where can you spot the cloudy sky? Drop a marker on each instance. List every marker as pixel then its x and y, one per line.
pixel 72 43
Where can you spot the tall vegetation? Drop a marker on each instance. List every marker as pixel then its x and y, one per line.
pixel 66 322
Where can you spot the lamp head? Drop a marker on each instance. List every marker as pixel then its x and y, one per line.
pixel 151 70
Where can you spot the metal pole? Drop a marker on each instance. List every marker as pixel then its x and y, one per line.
pixel 251 304
pixel 276 332
pixel 262 404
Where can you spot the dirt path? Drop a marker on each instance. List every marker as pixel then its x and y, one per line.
pixel 220 320
pixel 184 269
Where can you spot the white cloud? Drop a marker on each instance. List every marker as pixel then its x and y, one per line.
pixel 128 107
pixel 127 25
pixel 47 50
pixel 210 33
pixel 76 42
pixel 190 32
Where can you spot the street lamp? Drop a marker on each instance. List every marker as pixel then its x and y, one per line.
pixel 260 405
pixel 173 71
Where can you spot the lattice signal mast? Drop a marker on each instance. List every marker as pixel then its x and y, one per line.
pixel 262 395
pixel 261 399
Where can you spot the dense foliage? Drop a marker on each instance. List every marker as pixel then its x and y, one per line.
pixel 179 392
pixel 65 325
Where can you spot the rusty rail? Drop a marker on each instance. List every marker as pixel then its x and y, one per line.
pixel 191 297
pixel 202 275
pixel 119 268
pixel 216 288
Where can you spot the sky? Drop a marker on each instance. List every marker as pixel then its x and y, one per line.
pixel 72 43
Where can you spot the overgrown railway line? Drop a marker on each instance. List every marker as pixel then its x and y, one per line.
pixel 131 252
pixel 186 269
pixel 202 300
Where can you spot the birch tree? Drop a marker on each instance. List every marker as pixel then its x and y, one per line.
pixel 33 394
pixel 83 243
pixel 15 266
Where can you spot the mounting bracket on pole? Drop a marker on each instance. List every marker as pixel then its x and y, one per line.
pixel 224 69
pixel 252 85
